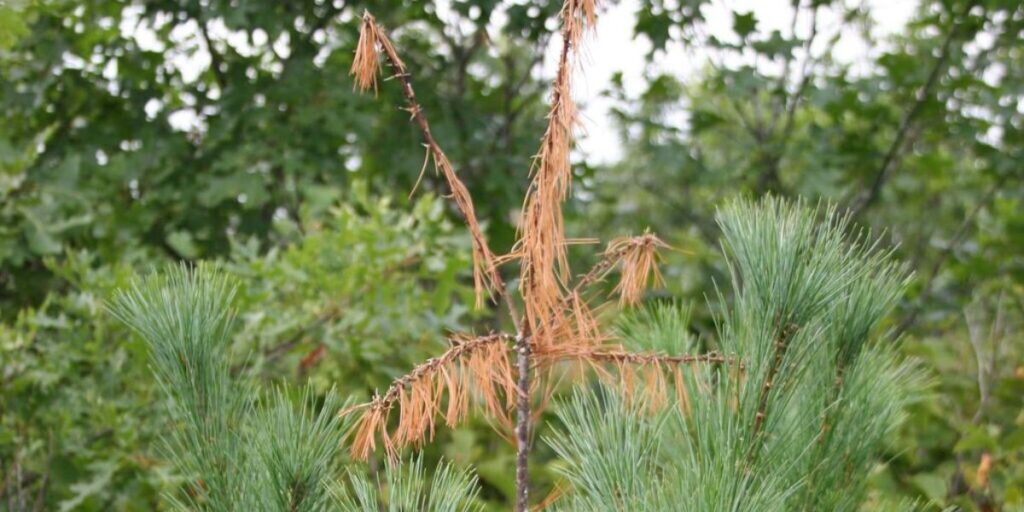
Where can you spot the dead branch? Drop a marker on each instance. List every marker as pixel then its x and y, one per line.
pixel 472 363
pixel 372 38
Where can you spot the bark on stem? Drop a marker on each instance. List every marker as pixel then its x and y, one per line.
pixel 781 344
pixel 523 424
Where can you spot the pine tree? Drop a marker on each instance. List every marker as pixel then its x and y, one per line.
pixel 792 420
pixel 239 449
pixel 799 425
pixel 786 413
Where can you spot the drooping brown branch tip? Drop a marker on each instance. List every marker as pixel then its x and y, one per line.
pixel 366 63
pixel 475 369
pixel 486 277
pixel 579 16
pixel 542 244
pixel 373 40
pixel 639 261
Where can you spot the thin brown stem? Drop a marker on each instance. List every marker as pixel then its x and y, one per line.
pixel 781 344
pixel 620 356
pixel 542 258
pixel 523 424
pixel 543 239
pixel 216 59
pixel 599 270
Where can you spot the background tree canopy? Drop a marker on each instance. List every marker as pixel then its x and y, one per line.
pixel 140 133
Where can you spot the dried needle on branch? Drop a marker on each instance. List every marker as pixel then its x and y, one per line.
pixel 639 257
pixel 542 246
pixel 478 370
pixel 473 369
pixel 373 40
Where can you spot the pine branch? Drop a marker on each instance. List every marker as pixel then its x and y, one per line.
pixel 485 266
pixel 542 246
pixel 779 352
pixel 649 359
pixel 364 67
pixel 653 365
pixel 542 240
pixel 481 364
pixel 407 487
pixel 418 393
pixel 550 315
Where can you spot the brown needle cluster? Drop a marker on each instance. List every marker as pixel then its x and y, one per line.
pixel 542 246
pixel 474 369
pixel 639 258
pixel 366 62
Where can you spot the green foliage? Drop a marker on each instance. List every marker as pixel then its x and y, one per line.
pixel 186 319
pixel 130 146
pixel 75 413
pixel 341 298
pixel 801 426
pixel 661 328
pixel 80 418
pixel 12 24
pixel 237 454
pixel 299 448
pixel 765 114
pixel 405 487
pixel 609 453
pixel 974 413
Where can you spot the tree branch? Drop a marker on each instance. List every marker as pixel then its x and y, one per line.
pixel 778 143
pixel 805 80
pixel 216 59
pixel 640 358
pixel 958 238
pixel 523 423
pixel 461 196
pixel 781 345
pixel 787 63
pixel 892 155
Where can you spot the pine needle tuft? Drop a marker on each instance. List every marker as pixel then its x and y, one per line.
pixel 367 60
pixel 639 257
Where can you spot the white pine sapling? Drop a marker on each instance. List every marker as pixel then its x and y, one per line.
pixel 800 425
